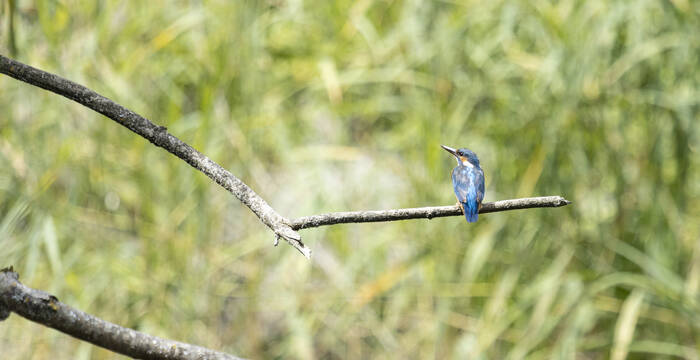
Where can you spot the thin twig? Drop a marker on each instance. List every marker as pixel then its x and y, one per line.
pixel 423 212
pixel 159 136
pixel 38 306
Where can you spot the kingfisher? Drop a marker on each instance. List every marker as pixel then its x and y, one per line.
pixel 468 182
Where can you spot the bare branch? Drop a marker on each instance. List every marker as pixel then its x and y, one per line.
pixel 423 212
pixel 45 309
pixel 281 226
pixel 159 136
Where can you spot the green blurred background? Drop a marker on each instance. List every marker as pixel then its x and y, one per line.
pixel 342 105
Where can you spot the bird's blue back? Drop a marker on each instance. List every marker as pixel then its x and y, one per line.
pixel 468 184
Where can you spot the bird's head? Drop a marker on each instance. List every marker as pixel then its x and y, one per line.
pixel 464 156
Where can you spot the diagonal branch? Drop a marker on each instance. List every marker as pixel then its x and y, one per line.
pixel 45 309
pixel 159 136
pixel 422 213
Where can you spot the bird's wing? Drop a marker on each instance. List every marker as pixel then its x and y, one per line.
pixel 481 190
pixel 461 181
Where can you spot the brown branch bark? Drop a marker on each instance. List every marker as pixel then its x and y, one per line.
pixel 159 136
pixel 423 212
pixel 43 308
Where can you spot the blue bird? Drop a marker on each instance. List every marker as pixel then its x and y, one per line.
pixel 468 182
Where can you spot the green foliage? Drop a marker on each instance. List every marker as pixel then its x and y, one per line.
pixel 342 105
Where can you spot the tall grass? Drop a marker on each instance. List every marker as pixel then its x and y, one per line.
pixel 329 106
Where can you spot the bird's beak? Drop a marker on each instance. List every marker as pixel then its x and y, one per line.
pixel 449 150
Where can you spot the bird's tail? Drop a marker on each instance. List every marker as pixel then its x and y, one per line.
pixel 470 212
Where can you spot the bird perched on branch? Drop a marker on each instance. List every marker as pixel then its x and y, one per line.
pixel 468 182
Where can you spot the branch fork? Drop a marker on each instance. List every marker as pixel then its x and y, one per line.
pixel 159 136
pixel 280 226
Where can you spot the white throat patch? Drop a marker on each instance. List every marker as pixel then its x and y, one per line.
pixel 466 162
